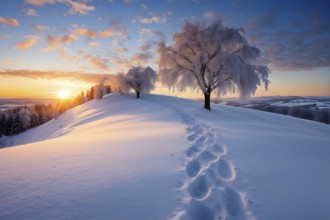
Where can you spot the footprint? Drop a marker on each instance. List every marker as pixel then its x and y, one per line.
pixel 198 211
pixel 233 202
pixel 207 156
pixel 209 142
pixel 192 137
pixel 192 151
pixel 210 135
pixel 197 129
pixel 199 188
pixel 225 170
pixel 190 129
pixel 200 140
pixel 217 148
pixel 193 168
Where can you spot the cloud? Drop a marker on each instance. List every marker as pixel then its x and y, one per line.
pixel 74 6
pixel 153 32
pixel 146 46
pixel 299 48
pixel 4 36
pixel 128 1
pixel 118 28
pixel 92 34
pixel 9 21
pixel 119 49
pixel 40 27
pixel 105 33
pixel 267 20
pixel 56 41
pixel 141 58
pixel 94 44
pixel 150 20
pixel 120 64
pixel 72 58
pixel 210 14
pixel 51 75
pixel 30 12
pixel 26 44
pixel 99 63
pixel 79 7
pixel 144 6
pixel 40 2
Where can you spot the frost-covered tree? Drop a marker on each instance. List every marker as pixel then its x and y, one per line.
pixel 120 83
pixel 90 94
pixel 3 124
pixel 100 90
pixel 211 58
pixel 24 118
pixel 141 80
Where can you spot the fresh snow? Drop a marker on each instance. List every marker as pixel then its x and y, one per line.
pixel 167 158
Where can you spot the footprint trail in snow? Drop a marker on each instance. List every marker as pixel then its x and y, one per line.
pixel 208 191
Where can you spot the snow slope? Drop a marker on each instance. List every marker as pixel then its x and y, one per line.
pixel 167 158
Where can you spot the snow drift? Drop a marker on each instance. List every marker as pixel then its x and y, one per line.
pixel 167 158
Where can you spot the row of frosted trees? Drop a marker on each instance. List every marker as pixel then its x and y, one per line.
pixel 16 120
pixel 19 119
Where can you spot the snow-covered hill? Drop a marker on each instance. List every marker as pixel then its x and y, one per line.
pixel 167 158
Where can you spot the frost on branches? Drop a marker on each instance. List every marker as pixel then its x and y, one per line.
pixel 211 58
pixel 141 80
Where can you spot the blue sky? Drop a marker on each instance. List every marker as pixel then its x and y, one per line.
pixel 105 37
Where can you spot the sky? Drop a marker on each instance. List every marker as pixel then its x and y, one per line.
pixel 51 45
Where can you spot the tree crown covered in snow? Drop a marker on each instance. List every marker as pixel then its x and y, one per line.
pixel 211 57
pixel 140 79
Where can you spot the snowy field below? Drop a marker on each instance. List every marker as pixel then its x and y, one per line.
pixel 167 158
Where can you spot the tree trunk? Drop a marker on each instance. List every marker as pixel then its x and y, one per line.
pixel 207 101
pixel 137 95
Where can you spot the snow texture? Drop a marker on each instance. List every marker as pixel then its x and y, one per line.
pixel 167 158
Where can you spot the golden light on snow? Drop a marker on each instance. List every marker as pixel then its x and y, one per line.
pixel 64 94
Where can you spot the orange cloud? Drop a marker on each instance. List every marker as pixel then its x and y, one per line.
pixel 119 49
pixel 4 36
pixel 56 41
pixel 40 2
pixel 40 27
pixel 92 34
pixel 79 7
pixel 64 56
pixel 26 44
pixel 35 74
pixel 9 21
pixel 99 63
pixel 94 44
pixel 75 7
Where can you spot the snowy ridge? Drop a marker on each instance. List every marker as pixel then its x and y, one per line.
pixel 167 158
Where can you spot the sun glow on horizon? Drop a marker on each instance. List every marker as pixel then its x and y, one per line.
pixel 64 93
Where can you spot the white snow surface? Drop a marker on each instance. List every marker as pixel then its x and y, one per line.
pixel 167 158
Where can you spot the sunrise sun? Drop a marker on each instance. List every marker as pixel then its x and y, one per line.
pixel 64 93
